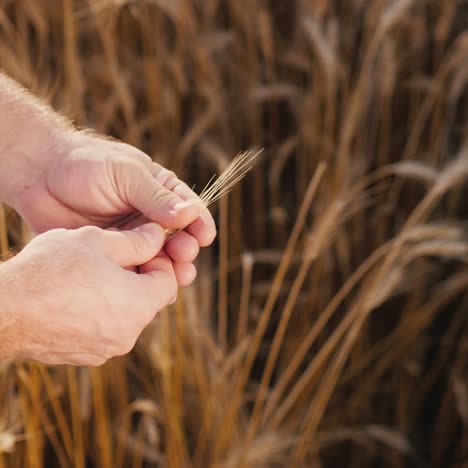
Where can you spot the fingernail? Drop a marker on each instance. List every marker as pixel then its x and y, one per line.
pixel 185 204
pixel 152 232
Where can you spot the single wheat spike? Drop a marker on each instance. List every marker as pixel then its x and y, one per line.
pixel 217 187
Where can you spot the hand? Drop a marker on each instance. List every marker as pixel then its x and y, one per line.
pixel 74 301
pixel 89 180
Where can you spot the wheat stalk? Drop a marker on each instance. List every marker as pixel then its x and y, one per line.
pixel 218 187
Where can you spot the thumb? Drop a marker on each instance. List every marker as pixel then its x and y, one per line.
pixel 135 247
pixel 159 204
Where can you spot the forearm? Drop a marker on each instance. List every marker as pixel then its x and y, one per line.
pixel 30 132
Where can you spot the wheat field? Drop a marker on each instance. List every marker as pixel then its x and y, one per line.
pixel 327 324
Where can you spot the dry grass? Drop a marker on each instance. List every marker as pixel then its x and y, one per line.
pixel 327 327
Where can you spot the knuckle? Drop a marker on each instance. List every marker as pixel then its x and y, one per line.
pixel 137 154
pixel 170 179
pixel 160 199
pixel 124 339
pixel 125 347
pixel 137 242
pixel 130 171
pixel 146 315
pixel 58 232
pixel 98 361
pixel 88 233
pixel 173 183
pixel 138 167
pixel 54 235
pixel 134 152
pixel 89 361
pixel 163 175
pixel 162 196
pixel 156 170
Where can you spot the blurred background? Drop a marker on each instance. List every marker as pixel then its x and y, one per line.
pixel 327 327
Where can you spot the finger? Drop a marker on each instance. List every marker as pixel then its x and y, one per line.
pixel 132 222
pixel 158 282
pixel 155 263
pixel 132 268
pixel 127 248
pixel 204 227
pixel 158 203
pixel 182 247
pixel 185 273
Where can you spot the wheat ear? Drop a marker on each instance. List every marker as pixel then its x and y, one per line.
pixel 218 187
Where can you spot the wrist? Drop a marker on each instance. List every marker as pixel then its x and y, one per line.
pixel 30 135
pixel 25 165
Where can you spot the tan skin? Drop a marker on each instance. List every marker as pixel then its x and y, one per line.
pixel 100 208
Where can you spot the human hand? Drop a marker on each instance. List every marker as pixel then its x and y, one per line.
pixel 74 300
pixel 90 180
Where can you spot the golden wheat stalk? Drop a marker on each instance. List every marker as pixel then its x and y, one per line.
pixel 218 187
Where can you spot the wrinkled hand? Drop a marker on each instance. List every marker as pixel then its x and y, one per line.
pixel 90 180
pixel 79 302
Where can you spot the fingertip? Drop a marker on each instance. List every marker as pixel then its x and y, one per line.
pixel 208 237
pixel 182 247
pixel 203 232
pixel 185 273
